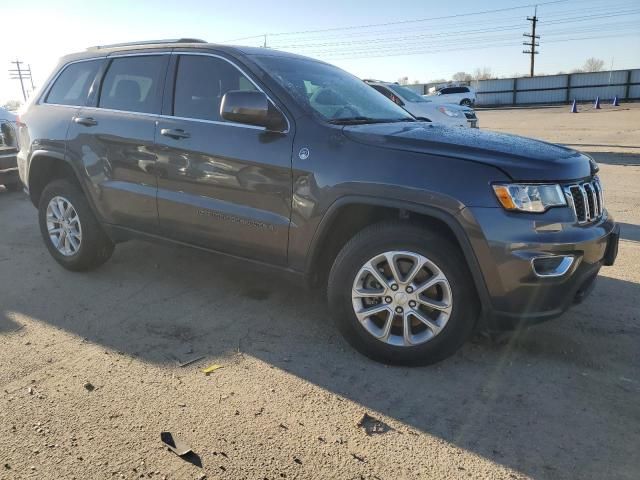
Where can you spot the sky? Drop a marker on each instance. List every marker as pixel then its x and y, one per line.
pixel 423 40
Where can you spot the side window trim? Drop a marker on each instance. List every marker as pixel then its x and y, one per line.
pixel 42 99
pixel 172 87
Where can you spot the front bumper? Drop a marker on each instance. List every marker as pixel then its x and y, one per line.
pixel 505 245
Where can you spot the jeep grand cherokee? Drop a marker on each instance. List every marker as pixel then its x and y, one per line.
pixel 418 231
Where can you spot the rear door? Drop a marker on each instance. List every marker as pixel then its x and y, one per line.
pixel 113 138
pixel 221 185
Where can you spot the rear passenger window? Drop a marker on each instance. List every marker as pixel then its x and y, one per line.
pixel 201 82
pixel 134 84
pixel 72 85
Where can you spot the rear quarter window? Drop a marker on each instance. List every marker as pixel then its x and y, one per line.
pixel 71 87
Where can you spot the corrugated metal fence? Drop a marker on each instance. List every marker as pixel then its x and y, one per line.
pixel 555 88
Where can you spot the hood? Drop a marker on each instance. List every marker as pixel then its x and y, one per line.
pixel 520 158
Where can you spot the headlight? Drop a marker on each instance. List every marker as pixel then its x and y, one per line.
pixel 448 112
pixel 529 198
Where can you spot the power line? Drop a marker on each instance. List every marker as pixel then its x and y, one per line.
pixel 462 37
pixel 465 32
pixel 492 22
pixel 422 51
pixel 401 22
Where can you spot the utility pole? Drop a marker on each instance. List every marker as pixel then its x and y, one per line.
pixel 31 78
pixel 23 74
pixel 532 44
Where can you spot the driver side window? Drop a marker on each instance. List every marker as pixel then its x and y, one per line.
pixel 201 82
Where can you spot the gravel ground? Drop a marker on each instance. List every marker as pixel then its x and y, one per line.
pixel 90 375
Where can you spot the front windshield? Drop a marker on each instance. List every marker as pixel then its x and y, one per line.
pixel 407 94
pixel 335 95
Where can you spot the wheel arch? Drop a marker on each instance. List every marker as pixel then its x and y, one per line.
pixel 46 166
pixel 347 215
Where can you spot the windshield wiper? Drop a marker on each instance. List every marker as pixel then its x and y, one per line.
pixel 364 120
pixel 352 120
pixel 408 119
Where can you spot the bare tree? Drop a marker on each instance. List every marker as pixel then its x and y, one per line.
pixel 483 73
pixel 403 80
pixel 593 64
pixel 462 77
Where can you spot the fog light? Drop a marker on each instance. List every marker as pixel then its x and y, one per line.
pixel 553 266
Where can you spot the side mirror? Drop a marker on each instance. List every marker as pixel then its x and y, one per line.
pixel 251 108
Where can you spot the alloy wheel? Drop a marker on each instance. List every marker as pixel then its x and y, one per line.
pixel 63 226
pixel 402 298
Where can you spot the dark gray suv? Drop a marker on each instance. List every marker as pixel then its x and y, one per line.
pixel 421 233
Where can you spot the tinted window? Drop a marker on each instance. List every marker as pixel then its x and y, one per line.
pixel 406 93
pixel 134 84
pixel 446 91
pixel 201 82
pixel 384 91
pixel 388 94
pixel 72 85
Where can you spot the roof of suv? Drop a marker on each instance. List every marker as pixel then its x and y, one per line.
pixel 104 50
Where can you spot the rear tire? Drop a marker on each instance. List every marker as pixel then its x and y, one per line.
pixel 465 102
pixel 91 247
pixel 441 258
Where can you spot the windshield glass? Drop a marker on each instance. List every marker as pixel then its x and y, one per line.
pixel 335 95
pixel 407 94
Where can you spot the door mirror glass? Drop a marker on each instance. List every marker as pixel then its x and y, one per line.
pixel 251 108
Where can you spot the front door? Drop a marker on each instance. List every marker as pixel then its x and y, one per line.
pixel 221 185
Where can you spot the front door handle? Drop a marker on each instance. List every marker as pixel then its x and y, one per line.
pixel 176 133
pixel 86 121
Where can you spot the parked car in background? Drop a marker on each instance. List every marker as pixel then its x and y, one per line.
pixel 425 108
pixel 459 95
pixel 8 151
pixel 419 232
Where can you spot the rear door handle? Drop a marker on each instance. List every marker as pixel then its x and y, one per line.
pixel 86 121
pixel 176 133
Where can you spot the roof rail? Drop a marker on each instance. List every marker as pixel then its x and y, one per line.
pixel 149 42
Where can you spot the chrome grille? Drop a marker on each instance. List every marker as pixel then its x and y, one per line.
pixel 586 199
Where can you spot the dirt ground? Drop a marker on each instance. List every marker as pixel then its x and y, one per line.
pixel 90 375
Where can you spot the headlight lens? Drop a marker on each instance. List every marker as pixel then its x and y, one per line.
pixel 529 198
pixel 448 112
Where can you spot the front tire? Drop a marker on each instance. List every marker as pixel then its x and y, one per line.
pixel 465 102
pixel 402 294
pixel 69 228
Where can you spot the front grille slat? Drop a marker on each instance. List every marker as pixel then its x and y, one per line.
pixel 588 190
pixel 586 199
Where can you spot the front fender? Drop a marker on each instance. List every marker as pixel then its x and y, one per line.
pixel 451 218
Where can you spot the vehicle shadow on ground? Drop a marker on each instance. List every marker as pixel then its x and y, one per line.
pixel 562 387
pixel 616 158
pixel 629 231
